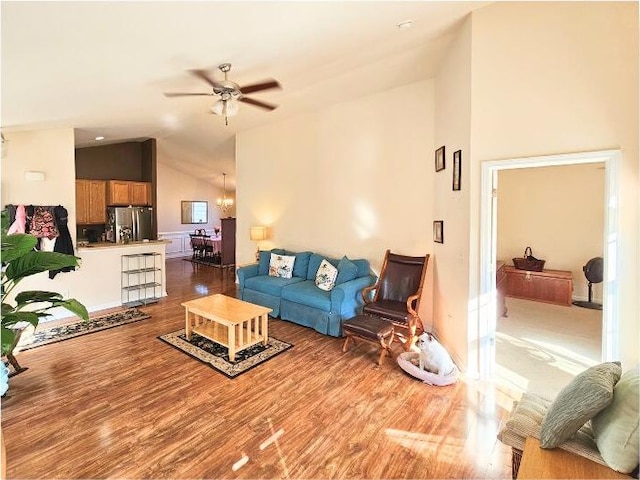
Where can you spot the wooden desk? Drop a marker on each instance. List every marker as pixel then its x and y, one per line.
pixel 558 463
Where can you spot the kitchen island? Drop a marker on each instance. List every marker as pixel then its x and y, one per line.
pixel 98 282
pixel 116 273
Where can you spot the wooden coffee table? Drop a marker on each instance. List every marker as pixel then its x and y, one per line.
pixel 230 322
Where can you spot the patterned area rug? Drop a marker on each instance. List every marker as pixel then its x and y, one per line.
pixel 30 340
pixel 199 261
pixel 217 356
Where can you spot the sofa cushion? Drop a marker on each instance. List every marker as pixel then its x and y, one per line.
pixel 326 276
pixel 281 265
pixel 578 402
pixel 314 263
pixel 269 285
pixel 364 268
pixel 264 258
pixel 347 270
pixel 301 264
pixel 525 420
pixel 306 293
pixel 616 427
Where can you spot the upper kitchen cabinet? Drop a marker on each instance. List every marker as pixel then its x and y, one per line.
pixel 122 192
pixel 140 193
pixel 91 201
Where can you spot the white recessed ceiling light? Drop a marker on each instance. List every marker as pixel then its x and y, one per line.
pixel 100 138
pixel 406 25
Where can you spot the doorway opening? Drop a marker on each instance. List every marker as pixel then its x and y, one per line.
pixel 488 253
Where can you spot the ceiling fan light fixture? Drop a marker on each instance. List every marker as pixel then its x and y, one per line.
pixel 229 93
pixel 225 108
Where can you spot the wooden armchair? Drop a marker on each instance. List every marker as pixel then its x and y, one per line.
pixel 396 294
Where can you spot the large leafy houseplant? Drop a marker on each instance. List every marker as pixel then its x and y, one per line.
pixel 21 260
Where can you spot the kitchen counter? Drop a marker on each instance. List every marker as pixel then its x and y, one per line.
pixel 98 282
pixel 102 245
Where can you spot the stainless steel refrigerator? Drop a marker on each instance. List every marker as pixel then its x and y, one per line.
pixel 138 221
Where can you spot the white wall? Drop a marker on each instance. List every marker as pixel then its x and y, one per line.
pixel 352 179
pixel 559 212
pixel 560 78
pixel 52 152
pixel 174 186
pixel 452 129
pixel 49 151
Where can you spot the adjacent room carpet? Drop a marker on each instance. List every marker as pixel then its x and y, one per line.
pixel 45 336
pixel 542 347
pixel 217 357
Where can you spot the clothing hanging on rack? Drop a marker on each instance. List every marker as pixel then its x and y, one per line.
pixel 47 222
pixel 17 218
pixel 43 223
pixel 64 244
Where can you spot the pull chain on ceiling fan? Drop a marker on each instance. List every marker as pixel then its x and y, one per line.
pixel 230 93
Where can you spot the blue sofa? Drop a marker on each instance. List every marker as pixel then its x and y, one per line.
pixel 298 299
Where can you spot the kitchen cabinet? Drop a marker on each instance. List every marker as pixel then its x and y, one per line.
pixel 91 202
pixel 140 193
pixel 124 193
pixel 549 286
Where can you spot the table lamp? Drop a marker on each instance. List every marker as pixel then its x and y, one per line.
pixel 257 234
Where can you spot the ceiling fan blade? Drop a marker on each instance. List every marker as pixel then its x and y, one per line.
pixel 257 103
pixel 204 75
pixel 256 87
pixel 179 94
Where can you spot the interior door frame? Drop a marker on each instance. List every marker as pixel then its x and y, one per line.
pixel 488 242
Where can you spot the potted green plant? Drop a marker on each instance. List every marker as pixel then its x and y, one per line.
pixel 21 260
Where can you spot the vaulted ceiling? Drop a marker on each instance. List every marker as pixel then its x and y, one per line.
pixel 102 68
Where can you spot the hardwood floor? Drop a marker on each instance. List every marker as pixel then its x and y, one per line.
pixel 122 404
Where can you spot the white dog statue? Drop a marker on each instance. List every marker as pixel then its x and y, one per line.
pixel 433 356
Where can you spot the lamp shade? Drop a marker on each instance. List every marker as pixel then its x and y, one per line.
pixel 258 233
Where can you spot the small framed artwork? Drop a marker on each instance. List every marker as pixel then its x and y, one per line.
pixel 438 231
pixel 440 159
pixel 457 169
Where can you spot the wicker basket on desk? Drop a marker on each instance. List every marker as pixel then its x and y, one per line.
pixel 528 262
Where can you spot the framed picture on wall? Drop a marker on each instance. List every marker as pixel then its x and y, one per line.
pixel 457 169
pixel 438 231
pixel 440 159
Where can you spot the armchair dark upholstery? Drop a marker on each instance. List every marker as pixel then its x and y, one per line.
pixel 397 293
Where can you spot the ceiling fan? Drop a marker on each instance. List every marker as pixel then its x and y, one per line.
pixel 230 93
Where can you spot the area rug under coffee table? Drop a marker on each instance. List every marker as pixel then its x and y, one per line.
pixel 45 336
pixel 217 356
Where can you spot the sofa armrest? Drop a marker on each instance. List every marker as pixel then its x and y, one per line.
pixel 346 299
pixel 245 272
